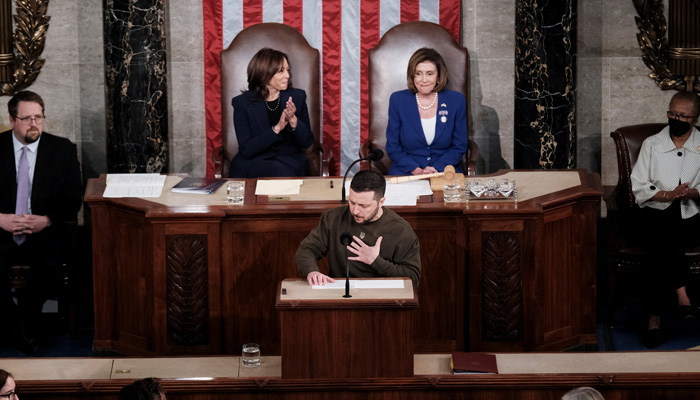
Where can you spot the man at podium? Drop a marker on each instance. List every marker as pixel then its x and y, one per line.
pixel 374 241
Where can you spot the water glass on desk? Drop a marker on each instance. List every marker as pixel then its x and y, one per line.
pixel 235 191
pixel 451 192
pixel 250 357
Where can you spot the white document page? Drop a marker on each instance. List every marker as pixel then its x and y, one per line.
pixel 363 284
pixel 406 193
pixel 134 185
pixel 278 187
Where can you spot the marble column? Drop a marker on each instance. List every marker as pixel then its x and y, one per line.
pixel 135 65
pixel 545 84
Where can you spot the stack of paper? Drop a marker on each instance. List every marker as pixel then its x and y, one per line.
pixel 134 185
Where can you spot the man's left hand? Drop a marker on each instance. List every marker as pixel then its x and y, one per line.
pixel 30 223
pixel 364 253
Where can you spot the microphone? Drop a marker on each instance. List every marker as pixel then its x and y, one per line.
pixel 345 239
pixel 374 155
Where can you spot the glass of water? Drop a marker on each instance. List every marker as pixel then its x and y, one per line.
pixel 451 192
pixel 235 190
pixel 250 357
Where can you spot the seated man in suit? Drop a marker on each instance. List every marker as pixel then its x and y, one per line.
pixel 383 243
pixel 40 189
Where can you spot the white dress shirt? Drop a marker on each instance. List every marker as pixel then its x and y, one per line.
pixel 31 158
pixel 662 166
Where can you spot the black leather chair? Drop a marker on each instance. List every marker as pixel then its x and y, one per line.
pixel 304 62
pixel 387 74
pixel 626 257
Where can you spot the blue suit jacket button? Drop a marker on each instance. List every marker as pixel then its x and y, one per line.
pixel 427 158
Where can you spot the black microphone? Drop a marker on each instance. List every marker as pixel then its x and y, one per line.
pixel 345 239
pixel 374 155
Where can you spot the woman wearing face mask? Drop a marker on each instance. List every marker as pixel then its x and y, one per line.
pixel 665 183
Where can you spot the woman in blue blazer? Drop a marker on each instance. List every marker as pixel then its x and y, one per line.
pixel 427 128
pixel 271 121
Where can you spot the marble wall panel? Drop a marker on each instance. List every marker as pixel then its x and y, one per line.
pixel 190 155
pixel 491 110
pixel 91 102
pixel 185 31
pixel 62 35
pixel 187 116
pixel 469 24
pixel 495 29
pixel 90 29
pixel 588 113
pixel 590 34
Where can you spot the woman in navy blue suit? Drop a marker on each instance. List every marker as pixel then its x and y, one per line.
pixel 271 121
pixel 427 128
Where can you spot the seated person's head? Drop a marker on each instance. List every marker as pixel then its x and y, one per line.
pixel 428 56
pixel 583 393
pixel 143 389
pixel 7 386
pixel 263 67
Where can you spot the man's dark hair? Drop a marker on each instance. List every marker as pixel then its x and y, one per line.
pixel 3 377
pixel 366 181
pixel 143 389
pixel 691 97
pixel 24 95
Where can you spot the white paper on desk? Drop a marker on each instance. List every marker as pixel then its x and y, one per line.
pixel 277 187
pixel 363 284
pixel 134 185
pixel 406 193
pixel 132 191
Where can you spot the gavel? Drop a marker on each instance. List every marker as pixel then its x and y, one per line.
pixel 448 173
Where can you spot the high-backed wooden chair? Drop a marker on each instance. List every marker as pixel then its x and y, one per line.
pixel 304 66
pixel 626 257
pixel 387 74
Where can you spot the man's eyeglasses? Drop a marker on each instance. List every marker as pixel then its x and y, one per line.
pixel 682 117
pixel 10 396
pixel 38 120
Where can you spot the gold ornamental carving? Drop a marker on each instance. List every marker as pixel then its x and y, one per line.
pixel 31 24
pixel 655 49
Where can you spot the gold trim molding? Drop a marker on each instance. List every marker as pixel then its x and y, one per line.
pixel 31 24
pixel 654 45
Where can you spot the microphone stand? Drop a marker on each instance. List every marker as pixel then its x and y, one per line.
pixel 347 279
pixel 345 239
pixel 374 155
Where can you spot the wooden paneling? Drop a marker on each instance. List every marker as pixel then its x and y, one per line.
pixel 496 276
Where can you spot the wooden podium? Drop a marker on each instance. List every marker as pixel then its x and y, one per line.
pixel 324 335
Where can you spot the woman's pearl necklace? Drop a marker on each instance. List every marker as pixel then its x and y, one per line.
pixel 431 104
pixel 277 106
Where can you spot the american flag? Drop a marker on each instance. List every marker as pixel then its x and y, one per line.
pixel 343 31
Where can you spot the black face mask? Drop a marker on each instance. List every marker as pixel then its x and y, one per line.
pixel 677 127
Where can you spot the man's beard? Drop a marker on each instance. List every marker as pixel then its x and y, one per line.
pixel 371 217
pixel 32 136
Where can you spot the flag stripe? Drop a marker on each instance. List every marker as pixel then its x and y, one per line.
pixel 410 10
pixel 294 14
pixel 370 37
pixel 213 30
pixel 252 12
pixel 343 31
pixel 332 26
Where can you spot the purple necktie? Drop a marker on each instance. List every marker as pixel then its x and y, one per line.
pixel 22 190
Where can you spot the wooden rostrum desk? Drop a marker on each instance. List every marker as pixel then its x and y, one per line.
pixel 188 274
